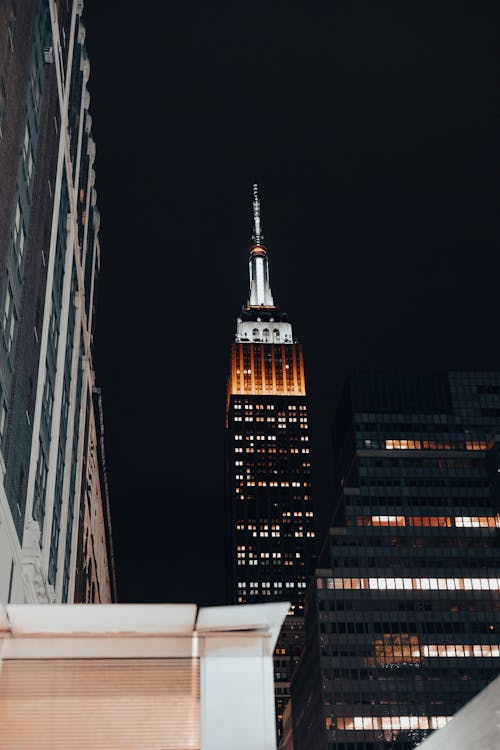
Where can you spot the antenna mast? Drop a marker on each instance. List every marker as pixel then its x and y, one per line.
pixel 257 236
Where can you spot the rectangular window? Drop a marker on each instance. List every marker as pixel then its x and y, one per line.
pixel 36 95
pixel 17 221
pixel 7 307
pixel 27 153
pixel 12 329
pixel 20 245
pixel 26 143
pixel 3 414
pixel 9 318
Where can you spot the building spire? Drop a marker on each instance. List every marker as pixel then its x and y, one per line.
pixel 261 321
pixel 257 235
pixel 260 291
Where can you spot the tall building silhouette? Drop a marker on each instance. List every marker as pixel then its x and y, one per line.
pixel 270 521
pixel 403 621
pixel 54 518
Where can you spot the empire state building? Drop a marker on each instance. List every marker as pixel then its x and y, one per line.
pixel 270 520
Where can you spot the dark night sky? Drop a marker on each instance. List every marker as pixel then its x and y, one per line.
pixel 372 129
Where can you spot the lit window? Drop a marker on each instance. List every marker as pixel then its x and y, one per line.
pixel 419 584
pixel 472 522
pixel 460 650
pixel 388 723
pixel 491 522
pixel 403 444
pixel 476 445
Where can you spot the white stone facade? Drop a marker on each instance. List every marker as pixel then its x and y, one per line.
pixel 264 332
pixel 40 564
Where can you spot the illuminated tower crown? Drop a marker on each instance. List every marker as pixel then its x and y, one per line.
pixel 261 320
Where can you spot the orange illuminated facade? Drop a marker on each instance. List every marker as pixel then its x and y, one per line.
pixel 267 369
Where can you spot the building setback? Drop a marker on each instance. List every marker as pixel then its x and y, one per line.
pixel 50 258
pixel 270 521
pixel 403 622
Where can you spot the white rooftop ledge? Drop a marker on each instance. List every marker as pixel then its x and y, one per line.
pixel 100 619
pixel 262 618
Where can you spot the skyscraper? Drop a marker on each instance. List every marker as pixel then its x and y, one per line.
pixel 50 258
pixel 270 520
pixel 403 622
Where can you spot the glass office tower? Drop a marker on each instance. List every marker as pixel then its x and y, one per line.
pixel 403 622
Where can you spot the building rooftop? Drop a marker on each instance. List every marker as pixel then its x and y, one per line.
pixel 169 676
pixel 31 620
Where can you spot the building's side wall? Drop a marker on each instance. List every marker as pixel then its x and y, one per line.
pixel 27 162
pixel 224 680
pixel 49 252
pixel 92 579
